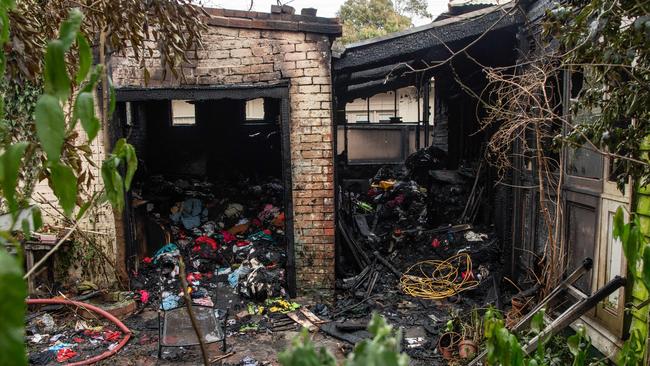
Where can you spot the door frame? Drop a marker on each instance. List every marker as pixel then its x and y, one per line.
pixel 278 90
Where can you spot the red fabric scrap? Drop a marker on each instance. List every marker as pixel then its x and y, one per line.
pixel 112 335
pixel 207 240
pixel 256 222
pixel 467 275
pixel 243 243
pixel 194 276
pixel 228 237
pixel 65 354
pixel 147 260
pixel 144 296
pixel 435 243
pixel 92 334
pixel 78 340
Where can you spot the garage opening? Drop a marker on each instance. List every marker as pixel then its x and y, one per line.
pixel 213 183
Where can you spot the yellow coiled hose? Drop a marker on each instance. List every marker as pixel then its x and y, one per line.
pixel 436 279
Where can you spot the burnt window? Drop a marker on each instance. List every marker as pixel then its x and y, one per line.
pixel 183 113
pixel 255 109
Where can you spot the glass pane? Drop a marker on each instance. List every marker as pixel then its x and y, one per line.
pixel 584 163
pixel 375 145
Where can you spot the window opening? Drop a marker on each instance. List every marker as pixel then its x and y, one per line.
pixel 255 109
pixel 183 113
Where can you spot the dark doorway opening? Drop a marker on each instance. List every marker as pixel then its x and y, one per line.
pixel 202 152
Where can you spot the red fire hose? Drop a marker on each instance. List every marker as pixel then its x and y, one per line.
pixel 102 312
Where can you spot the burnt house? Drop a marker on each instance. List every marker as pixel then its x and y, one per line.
pixel 425 57
pixel 446 58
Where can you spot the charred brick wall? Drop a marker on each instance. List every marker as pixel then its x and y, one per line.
pixel 236 56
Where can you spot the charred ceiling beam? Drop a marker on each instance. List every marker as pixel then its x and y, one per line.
pixel 271 90
pixel 377 73
pixel 371 88
pixel 432 38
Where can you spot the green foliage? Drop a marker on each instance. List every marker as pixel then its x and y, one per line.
pixel 123 155
pixel 632 352
pixel 609 42
pixel 84 110
pixel 504 348
pixel 635 246
pixel 12 308
pixel 85 58
pixel 303 353
pixel 637 253
pixel 55 136
pixel 382 350
pixel 64 184
pixel 170 27
pixel 50 125
pixel 9 168
pixel 364 19
pixel 578 345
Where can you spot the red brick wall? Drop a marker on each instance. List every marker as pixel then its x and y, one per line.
pixel 246 56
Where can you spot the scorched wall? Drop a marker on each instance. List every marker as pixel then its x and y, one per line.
pixel 244 48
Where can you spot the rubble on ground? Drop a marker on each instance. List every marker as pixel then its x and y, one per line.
pixel 412 251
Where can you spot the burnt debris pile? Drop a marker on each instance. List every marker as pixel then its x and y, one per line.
pixel 413 250
pixel 226 234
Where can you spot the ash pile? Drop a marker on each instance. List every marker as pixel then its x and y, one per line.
pixel 412 249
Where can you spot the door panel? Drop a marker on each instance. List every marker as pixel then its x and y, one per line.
pixel 581 219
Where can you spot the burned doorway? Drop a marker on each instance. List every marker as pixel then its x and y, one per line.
pixel 214 176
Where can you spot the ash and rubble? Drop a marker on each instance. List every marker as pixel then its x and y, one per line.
pixel 231 239
pixel 410 214
pixel 231 234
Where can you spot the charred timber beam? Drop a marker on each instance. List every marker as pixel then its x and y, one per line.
pixel 378 73
pixel 387 264
pixel 276 90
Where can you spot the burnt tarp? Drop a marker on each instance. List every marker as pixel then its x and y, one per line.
pixel 385 63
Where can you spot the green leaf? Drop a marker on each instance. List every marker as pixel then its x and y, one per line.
pixel 57 81
pixel 131 165
pixel 573 342
pixel 70 27
pixel 85 58
pixel 12 308
pixel 37 217
pixel 10 166
pixel 94 78
pixel 8 4
pixel 619 223
pixel 84 110
pixel 50 125
pixel 113 183
pixel 645 268
pixel 85 206
pixel 64 183
pixel 537 322
pixel 4 27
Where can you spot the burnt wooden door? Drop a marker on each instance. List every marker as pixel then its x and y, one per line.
pixel 591 199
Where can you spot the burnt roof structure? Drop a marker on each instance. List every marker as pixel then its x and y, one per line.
pixel 389 62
